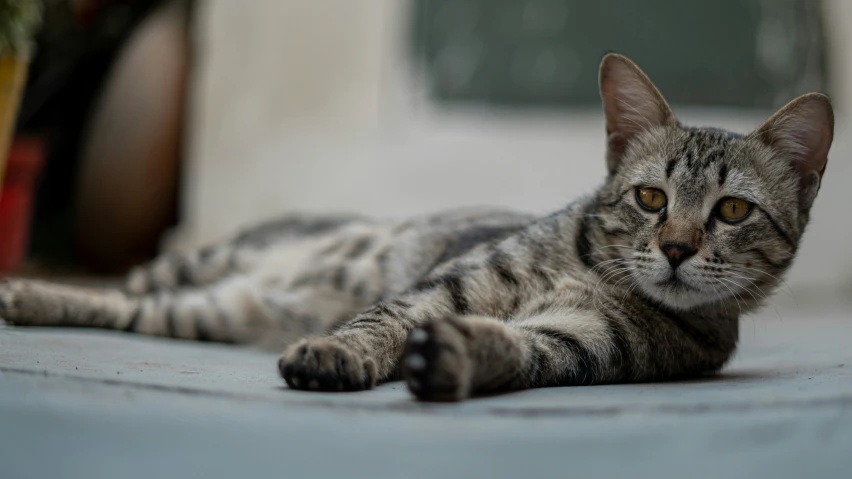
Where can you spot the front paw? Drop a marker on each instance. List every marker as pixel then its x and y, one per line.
pixel 326 365
pixel 436 364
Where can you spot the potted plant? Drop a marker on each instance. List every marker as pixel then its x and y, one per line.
pixel 21 162
pixel 18 22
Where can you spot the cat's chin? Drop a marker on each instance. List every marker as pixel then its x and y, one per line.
pixel 679 297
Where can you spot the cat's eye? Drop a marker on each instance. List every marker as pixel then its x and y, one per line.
pixel 733 210
pixel 651 199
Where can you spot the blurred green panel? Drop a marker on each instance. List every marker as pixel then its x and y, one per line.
pixel 746 53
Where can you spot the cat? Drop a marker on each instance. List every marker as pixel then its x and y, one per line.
pixel 644 280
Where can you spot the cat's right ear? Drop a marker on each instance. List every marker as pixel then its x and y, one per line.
pixel 631 103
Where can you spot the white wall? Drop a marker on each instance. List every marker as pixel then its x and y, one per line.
pixel 290 116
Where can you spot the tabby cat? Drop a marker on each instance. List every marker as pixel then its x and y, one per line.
pixel 644 280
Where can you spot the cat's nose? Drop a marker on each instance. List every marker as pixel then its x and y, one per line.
pixel 677 253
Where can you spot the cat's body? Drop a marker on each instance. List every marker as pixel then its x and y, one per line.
pixel 277 282
pixel 644 280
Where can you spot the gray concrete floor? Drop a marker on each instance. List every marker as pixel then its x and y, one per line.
pixel 89 404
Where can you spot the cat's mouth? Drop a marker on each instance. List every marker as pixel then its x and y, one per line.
pixel 674 283
pixel 679 289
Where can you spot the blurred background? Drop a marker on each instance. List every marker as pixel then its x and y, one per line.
pixel 148 126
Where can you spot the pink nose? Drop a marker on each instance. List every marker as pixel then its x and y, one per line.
pixel 677 253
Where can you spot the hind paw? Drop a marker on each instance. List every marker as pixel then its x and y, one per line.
pixel 10 300
pixel 32 303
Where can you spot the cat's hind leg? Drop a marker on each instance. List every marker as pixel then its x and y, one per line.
pixel 236 310
pixel 238 254
pixel 189 314
pixel 186 269
pixel 41 303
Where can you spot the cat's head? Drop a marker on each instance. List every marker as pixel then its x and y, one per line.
pixel 704 215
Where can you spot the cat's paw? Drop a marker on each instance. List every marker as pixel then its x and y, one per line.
pixel 436 364
pixel 326 365
pixel 25 302
pixel 10 304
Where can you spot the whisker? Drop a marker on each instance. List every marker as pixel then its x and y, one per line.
pixel 621 280
pixel 721 300
pixel 612 246
pixel 743 288
pixel 760 291
pixel 611 274
pixel 740 296
pixel 609 261
pixel 596 291
pixel 631 288
pixel 780 281
pixel 764 296
pixel 732 294
pixel 615 266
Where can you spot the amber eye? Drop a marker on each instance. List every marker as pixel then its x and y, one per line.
pixel 733 210
pixel 651 199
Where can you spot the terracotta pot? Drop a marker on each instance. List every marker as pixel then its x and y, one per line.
pixel 26 159
pixel 13 74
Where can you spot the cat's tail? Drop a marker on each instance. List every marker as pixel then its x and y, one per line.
pixel 232 312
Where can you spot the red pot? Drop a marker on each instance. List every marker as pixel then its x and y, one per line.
pixel 26 158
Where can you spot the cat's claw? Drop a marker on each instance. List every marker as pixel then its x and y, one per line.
pixel 436 365
pixel 326 365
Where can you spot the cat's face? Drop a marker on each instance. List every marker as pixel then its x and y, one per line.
pixel 704 215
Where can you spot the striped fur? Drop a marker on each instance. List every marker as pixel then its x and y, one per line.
pixel 474 301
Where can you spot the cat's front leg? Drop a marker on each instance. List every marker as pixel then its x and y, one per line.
pixel 453 358
pixel 366 350
pixel 325 364
pixel 361 353
pixel 458 356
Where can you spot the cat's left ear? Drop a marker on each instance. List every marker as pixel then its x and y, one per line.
pixel 632 105
pixel 802 132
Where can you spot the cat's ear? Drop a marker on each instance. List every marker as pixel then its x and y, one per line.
pixel 802 132
pixel 631 103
